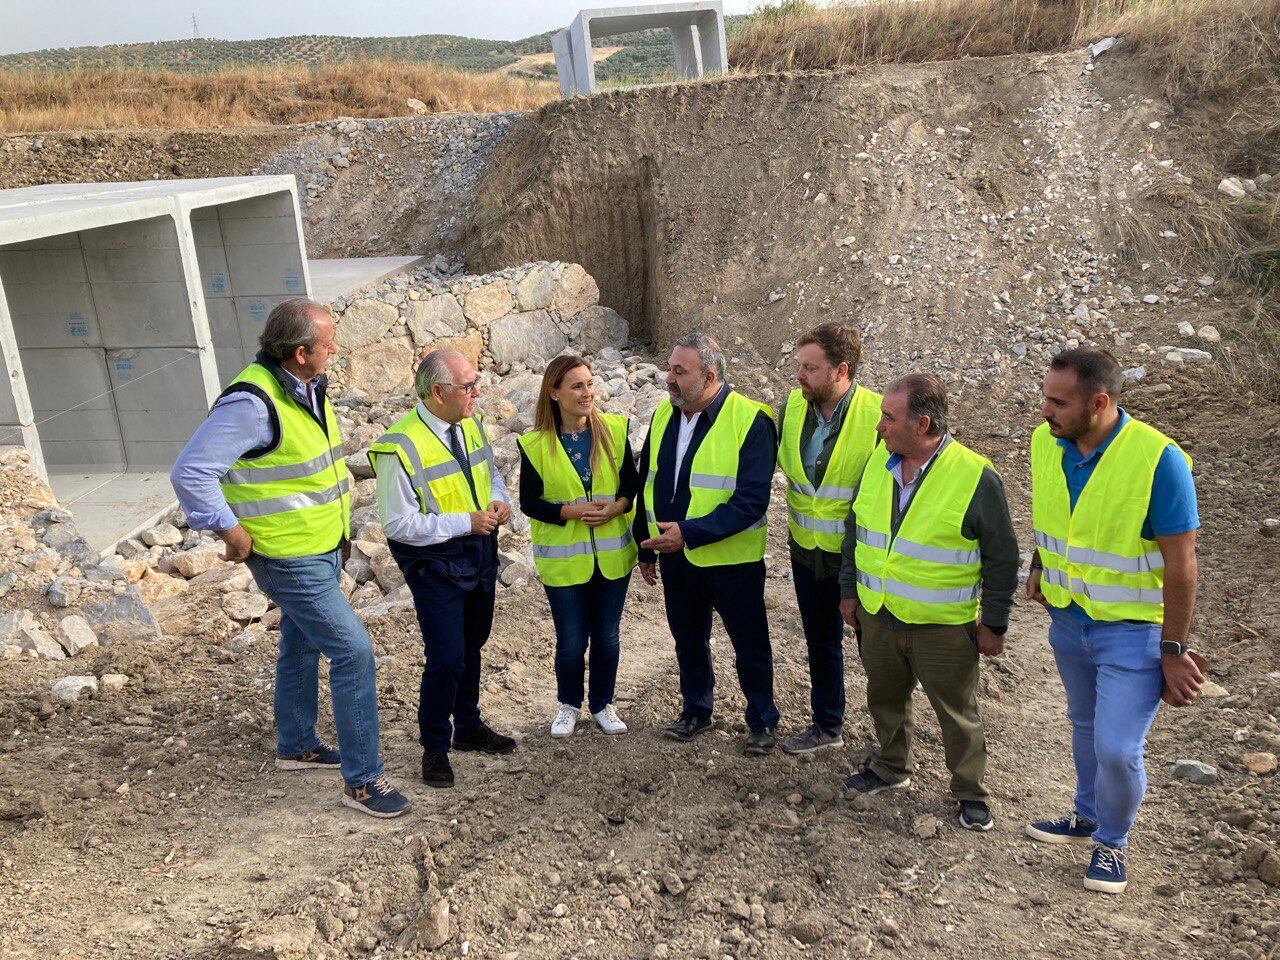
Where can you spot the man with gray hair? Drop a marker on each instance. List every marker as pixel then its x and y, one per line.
pixel 265 473
pixel 442 499
pixel 930 565
pixel 709 461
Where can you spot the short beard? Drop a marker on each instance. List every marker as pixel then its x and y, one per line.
pixel 677 399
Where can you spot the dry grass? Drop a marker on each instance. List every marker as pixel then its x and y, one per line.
pixel 130 97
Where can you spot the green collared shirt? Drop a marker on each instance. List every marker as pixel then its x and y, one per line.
pixel 825 565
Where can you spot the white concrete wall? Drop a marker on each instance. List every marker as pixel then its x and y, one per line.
pixel 251 258
pixel 92 312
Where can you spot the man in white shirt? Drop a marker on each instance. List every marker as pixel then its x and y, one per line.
pixel 441 500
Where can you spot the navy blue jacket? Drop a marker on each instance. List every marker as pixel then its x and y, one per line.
pixel 750 500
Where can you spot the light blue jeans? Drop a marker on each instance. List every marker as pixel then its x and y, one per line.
pixel 316 621
pixel 1113 679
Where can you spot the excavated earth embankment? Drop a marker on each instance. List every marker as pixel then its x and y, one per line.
pixel 972 218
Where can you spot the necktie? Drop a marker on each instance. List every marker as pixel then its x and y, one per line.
pixel 460 454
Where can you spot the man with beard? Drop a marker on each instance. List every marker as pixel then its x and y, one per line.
pixel 1115 517
pixel 709 461
pixel 828 430
pixel 442 500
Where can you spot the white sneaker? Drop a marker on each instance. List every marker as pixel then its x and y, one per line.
pixel 608 720
pixel 565 722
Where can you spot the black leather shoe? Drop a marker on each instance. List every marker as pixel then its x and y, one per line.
pixel 686 728
pixel 436 771
pixel 483 739
pixel 759 742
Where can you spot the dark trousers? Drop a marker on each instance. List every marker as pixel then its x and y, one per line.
pixel 587 614
pixel 944 658
pixel 736 592
pixel 819 603
pixel 455 624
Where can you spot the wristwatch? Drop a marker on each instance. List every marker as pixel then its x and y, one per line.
pixel 1173 648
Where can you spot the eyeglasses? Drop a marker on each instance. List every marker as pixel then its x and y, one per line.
pixel 472 387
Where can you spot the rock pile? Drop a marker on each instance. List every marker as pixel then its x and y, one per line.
pixel 497 321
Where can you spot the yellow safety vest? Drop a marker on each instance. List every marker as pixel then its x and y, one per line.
pixel 816 517
pixel 1095 555
pixel 929 571
pixel 567 554
pixel 294 500
pixel 436 476
pixel 713 475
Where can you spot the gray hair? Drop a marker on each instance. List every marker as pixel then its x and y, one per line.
pixel 710 356
pixel 290 325
pixel 432 369
pixel 926 397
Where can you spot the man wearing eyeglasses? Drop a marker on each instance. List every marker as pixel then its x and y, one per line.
pixel 441 500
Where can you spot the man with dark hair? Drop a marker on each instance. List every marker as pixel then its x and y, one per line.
pixel 827 431
pixel 1115 518
pixel 700 522
pixel 930 567
pixel 265 473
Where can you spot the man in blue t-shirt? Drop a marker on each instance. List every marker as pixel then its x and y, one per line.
pixel 1113 670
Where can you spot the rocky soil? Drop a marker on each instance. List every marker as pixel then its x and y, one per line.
pixel 973 218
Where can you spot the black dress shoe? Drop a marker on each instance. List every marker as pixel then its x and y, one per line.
pixel 483 739
pixel 759 742
pixel 686 728
pixel 436 771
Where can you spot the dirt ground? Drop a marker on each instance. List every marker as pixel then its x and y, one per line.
pixel 151 824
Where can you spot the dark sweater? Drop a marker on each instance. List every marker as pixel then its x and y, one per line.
pixel 987 520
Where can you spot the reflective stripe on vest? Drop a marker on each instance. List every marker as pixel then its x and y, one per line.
pixel 929 572
pixel 815 517
pixel 567 554
pixel 294 500
pixel 435 475
pixel 713 476
pixel 1095 555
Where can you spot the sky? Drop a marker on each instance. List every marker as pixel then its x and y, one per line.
pixel 38 24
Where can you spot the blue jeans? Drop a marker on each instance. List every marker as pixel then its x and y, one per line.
pixel 316 620
pixel 1113 679
pixel 587 614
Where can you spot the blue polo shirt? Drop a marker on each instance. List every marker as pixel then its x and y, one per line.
pixel 1173 490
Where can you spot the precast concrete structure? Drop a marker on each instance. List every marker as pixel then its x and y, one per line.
pixel 697 34
pixel 124 308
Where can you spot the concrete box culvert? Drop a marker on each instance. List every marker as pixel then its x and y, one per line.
pixel 124 308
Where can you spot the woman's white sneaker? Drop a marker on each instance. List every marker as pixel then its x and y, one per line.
pixel 565 723
pixel 609 721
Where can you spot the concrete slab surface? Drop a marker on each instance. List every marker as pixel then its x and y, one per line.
pixel 331 279
pixel 112 506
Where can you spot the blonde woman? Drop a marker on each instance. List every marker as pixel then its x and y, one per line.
pixel 578 482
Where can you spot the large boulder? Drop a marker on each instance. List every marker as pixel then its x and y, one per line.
pixel 536 289
pixel 470 346
pixel 434 319
pixel 598 327
pixel 575 292
pixel 521 335
pixel 488 302
pixel 364 322
pixel 381 368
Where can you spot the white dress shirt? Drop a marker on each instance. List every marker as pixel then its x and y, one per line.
pixel 402 517
pixel 684 435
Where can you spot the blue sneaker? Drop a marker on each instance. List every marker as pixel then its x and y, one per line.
pixel 377 798
pixel 868 783
pixel 1106 871
pixel 1070 829
pixel 320 757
